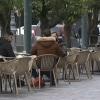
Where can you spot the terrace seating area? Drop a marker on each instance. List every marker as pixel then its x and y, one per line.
pixel 71 67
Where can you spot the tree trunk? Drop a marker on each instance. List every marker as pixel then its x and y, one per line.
pixel 5 21
pixel 43 25
pixel 92 22
pixel 67 28
pixel 92 26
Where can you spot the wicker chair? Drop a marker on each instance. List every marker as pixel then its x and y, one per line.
pixel 72 60
pixel 48 63
pixel 62 64
pixel 17 67
pixel 8 68
pixel 83 61
pixel 73 50
pixel 95 56
pixel 23 68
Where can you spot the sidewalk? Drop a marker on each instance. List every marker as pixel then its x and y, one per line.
pixel 84 90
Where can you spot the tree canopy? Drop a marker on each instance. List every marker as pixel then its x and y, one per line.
pixel 6 7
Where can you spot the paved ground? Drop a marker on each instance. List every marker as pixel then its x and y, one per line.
pixel 84 90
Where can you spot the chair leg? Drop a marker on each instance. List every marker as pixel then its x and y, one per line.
pixel 77 72
pixel 5 83
pixel 39 78
pixel 86 71
pixel 55 77
pixel 67 74
pixel 98 65
pixel 15 83
pixel 73 71
pixel 0 83
pixel 28 83
pixel 50 79
pixel 10 83
pixel 92 63
pixel 30 79
pixel 64 74
pixel 58 73
pixel 19 81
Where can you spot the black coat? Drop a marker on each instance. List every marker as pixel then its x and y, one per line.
pixel 6 48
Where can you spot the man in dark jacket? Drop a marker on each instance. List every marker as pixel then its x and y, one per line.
pixel 5 45
pixel 45 45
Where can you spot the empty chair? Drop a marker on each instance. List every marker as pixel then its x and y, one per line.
pixel 72 60
pixel 23 68
pixel 62 64
pixel 17 67
pixel 83 61
pixel 73 50
pixel 8 68
pixel 95 56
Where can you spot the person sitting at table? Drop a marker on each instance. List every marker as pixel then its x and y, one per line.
pixel 45 45
pixel 58 40
pixel 6 49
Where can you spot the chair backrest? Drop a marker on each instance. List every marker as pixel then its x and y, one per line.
pixel 75 49
pixel 8 67
pixel 61 62
pixel 48 61
pixel 72 58
pixel 95 55
pixel 83 57
pixel 23 66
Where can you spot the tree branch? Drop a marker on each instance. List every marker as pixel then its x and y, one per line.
pixel 55 23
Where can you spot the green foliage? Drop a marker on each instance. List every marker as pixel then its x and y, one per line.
pixel 18 5
pixel 69 10
pixel 6 7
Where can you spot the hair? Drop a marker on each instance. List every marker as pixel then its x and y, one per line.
pixel 46 32
pixel 55 33
pixel 7 34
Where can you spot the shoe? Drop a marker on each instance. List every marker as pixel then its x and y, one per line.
pixel 36 82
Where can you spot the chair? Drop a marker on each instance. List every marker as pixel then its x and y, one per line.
pixel 72 60
pixel 95 56
pixel 17 67
pixel 23 68
pixel 48 63
pixel 8 68
pixel 73 50
pixel 83 61
pixel 62 64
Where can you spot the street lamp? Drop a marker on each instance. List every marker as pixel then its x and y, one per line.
pixel 19 17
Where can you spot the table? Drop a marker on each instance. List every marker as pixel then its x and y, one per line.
pixel 26 54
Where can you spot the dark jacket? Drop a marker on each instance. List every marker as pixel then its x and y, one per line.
pixel 46 45
pixel 6 48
